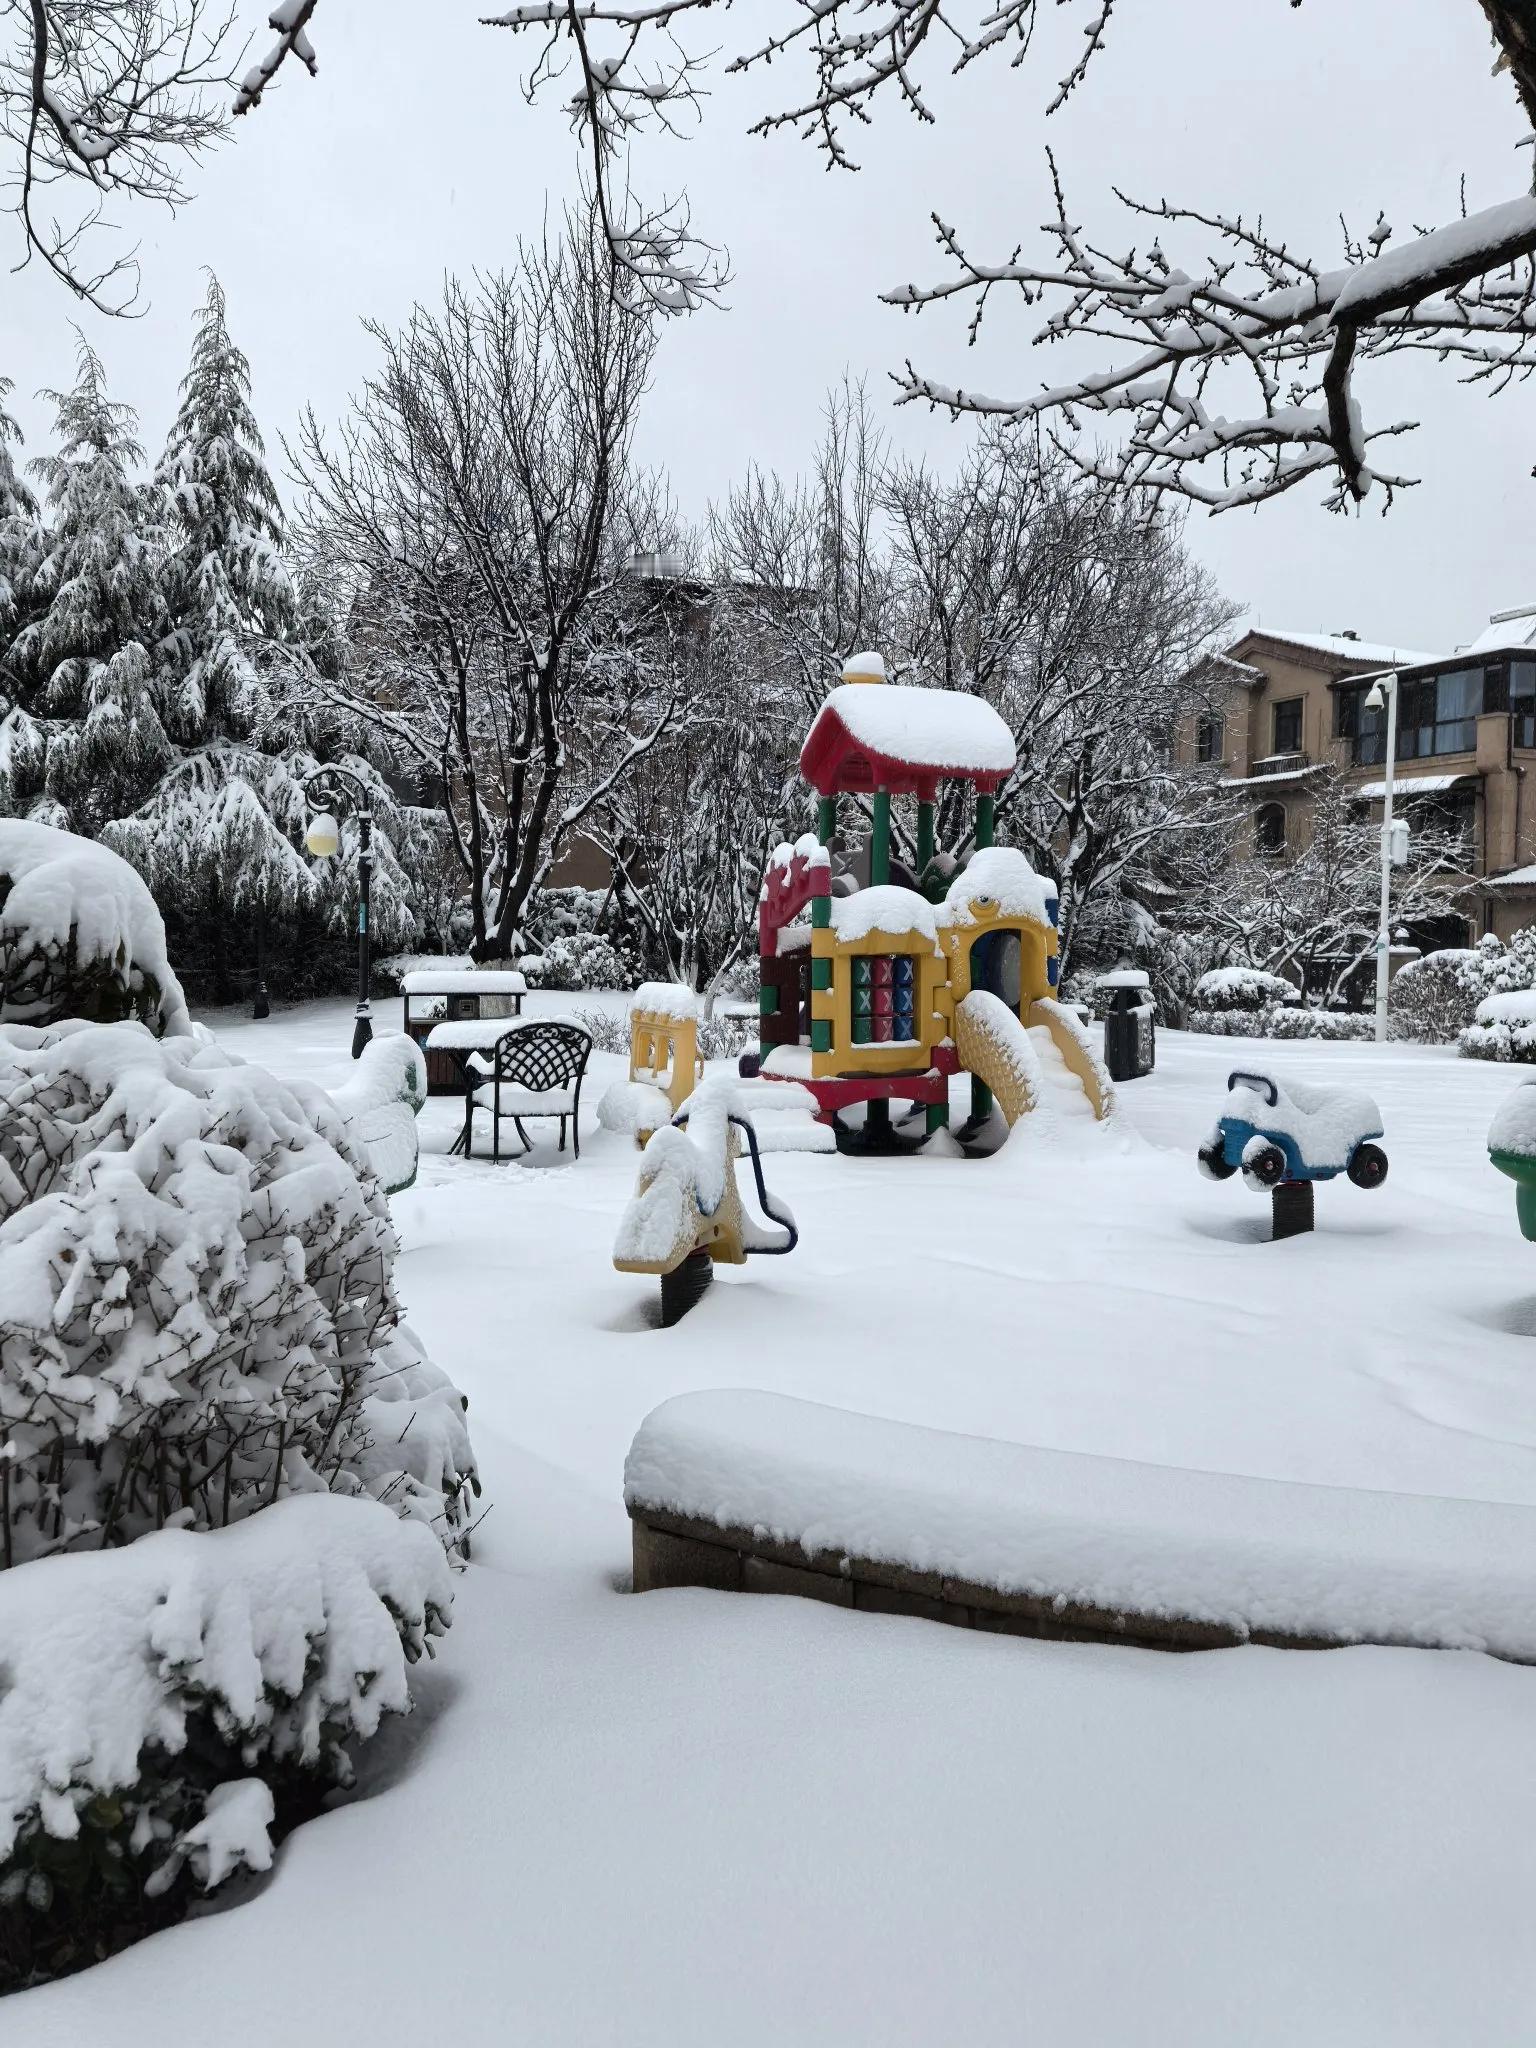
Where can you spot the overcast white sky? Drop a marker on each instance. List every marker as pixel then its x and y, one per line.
pixel 410 156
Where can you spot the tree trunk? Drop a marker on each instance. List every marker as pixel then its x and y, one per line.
pixel 1513 23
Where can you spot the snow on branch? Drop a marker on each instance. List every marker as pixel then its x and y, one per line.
pixel 850 51
pixel 109 102
pixel 1237 378
pixel 291 19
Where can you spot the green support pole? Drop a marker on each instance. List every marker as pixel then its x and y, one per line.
pixel 826 819
pixel 821 971
pixel 880 840
pixel 877 1114
pixel 924 837
pixel 981 1094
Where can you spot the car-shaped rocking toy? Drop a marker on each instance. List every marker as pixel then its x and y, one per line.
pixel 1274 1132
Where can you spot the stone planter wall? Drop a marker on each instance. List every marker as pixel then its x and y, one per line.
pixel 675 1550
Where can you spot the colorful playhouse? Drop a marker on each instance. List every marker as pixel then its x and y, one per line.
pixel 873 988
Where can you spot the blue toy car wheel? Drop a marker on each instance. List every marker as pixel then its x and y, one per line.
pixel 1367 1166
pixel 1265 1168
pixel 1214 1163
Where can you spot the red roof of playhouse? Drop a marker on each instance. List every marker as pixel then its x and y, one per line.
pixel 891 736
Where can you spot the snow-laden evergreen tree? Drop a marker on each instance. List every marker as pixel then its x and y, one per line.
pixel 219 837
pixel 226 585
pixel 218 834
pixel 92 745
pixel 20 549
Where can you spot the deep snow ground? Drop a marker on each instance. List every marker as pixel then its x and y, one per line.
pixel 692 1818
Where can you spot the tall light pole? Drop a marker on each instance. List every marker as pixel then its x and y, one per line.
pixel 1384 692
pixel 326 786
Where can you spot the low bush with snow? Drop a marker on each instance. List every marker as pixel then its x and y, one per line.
pixel 168 1710
pixel 580 960
pixel 197 1305
pixel 1241 988
pixel 1296 1022
pixel 1504 1028
pixel 1435 998
pixel 720 1037
pixel 390 972
pixel 1292 1020
pixel 80 935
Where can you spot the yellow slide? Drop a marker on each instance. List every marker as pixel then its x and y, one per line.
pixel 994 1046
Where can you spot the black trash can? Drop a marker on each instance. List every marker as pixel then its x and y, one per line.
pixel 1130 1038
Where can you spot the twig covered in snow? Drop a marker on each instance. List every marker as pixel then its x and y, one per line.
pixel 1258 318
pixel 105 102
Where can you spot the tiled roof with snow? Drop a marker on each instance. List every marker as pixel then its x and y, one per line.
pixel 1339 646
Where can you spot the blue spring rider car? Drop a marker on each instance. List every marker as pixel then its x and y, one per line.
pixel 1275 1132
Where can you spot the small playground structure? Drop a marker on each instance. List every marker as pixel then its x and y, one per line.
pixel 665 1065
pixel 1284 1136
pixel 686 1215
pixel 880 986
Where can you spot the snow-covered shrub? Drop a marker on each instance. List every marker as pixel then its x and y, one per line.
pixel 168 1709
pixel 79 935
pixel 581 960
pixel 381 1100
pixel 1435 998
pixel 557 913
pixel 1512 967
pixel 1504 1027
pixel 390 972
pixel 1230 1023
pixel 1242 988
pixel 197 1305
pixel 1294 1022
pixel 720 1038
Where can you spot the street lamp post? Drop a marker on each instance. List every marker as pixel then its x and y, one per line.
pixel 1384 692
pixel 327 786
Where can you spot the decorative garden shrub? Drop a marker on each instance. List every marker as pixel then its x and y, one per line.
pixel 171 1709
pixel 1504 1027
pixel 79 935
pixel 1435 998
pixel 1242 988
pixel 232 1482
pixel 580 960
pixel 197 1305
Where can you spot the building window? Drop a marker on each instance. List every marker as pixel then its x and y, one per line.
pixel 1522 701
pixel 1210 736
pixel 1346 712
pixel 1288 726
pixel 1436 715
pixel 1439 714
pixel 1451 812
pixel 1269 828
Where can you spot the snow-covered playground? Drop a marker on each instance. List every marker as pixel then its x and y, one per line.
pixel 691 1818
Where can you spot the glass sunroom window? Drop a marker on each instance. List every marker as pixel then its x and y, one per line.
pixel 1522 701
pixel 1435 715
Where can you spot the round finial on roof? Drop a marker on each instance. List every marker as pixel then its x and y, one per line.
pixel 868 667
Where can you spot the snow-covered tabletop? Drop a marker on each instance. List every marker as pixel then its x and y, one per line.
pixel 1246 1554
pixel 464 981
pixel 471 1034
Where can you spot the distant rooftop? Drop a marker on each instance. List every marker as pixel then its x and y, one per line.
pixel 1506 632
pixel 1345 647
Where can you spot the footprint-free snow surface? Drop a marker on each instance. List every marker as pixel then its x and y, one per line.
pixel 702 1820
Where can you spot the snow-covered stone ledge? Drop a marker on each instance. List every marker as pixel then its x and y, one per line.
pixel 752 1492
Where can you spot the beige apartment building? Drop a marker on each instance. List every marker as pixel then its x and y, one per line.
pixel 1288 708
